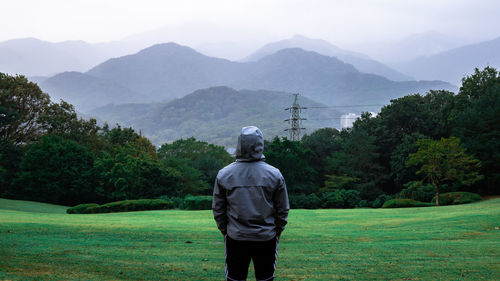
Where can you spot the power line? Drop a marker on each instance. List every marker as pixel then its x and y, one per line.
pixel 339 106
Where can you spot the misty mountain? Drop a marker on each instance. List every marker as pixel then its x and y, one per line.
pixel 215 115
pixel 167 71
pixel 413 46
pixel 453 65
pixel 87 92
pixel 327 79
pixel 360 61
pixel 33 57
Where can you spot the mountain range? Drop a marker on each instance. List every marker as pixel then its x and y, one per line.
pixel 216 114
pixel 360 61
pixel 167 71
pixel 452 65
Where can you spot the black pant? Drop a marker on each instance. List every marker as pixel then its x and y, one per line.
pixel 239 254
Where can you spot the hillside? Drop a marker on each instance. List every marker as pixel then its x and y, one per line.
pixel 327 79
pixel 454 64
pixel 86 91
pixel 360 61
pixel 167 71
pixel 215 115
pixel 34 57
pixel 30 206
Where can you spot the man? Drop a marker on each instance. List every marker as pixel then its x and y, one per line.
pixel 250 206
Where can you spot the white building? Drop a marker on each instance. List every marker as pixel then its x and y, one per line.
pixel 346 120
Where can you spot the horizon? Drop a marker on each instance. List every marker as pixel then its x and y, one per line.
pixel 212 28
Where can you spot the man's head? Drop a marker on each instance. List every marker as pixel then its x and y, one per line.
pixel 250 144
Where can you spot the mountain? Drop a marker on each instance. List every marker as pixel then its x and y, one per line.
pixel 33 57
pixel 360 61
pixel 167 71
pixel 87 92
pixel 327 79
pixel 413 46
pixel 454 64
pixel 215 115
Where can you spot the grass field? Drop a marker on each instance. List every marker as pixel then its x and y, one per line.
pixel 41 242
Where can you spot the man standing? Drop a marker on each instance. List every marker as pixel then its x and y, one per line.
pixel 250 206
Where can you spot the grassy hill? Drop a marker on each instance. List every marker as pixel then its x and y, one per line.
pixel 30 206
pixel 434 243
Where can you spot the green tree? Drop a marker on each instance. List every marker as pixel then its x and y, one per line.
pixel 293 162
pixel 205 157
pixel 357 164
pixel 444 162
pixel 322 143
pixel 476 120
pixel 56 170
pixel 21 104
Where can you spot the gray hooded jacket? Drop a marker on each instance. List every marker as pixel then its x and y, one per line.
pixel 250 199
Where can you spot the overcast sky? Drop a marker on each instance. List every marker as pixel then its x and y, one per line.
pixel 340 22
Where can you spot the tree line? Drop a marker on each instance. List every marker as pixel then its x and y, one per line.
pixel 49 154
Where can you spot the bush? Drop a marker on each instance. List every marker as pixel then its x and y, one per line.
pixel 124 206
pixel 199 202
pixel 380 200
pixel 455 198
pixel 302 201
pixel 418 191
pixel 342 198
pixel 404 203
pixel 80 209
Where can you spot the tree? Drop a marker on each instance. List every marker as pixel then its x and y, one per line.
pixel 57 171
pixel 322 143
pixel 476 120
pixel 205 157
pixel 444 162
pixel 293 162
pixel 357 164
pixel 21 104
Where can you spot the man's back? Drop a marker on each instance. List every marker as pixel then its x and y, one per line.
pixel 250 206
pixel 256 196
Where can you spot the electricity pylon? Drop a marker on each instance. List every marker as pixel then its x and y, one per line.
pixel 295 121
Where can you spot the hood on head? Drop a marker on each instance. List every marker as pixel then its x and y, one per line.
pixel 250 144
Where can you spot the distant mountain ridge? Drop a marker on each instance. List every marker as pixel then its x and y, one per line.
pixel 215 114
pixel 361 62
pixel 454 64
pixel 167 71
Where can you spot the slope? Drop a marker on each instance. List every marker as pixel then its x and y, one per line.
pixel 215 115
pixel 454 64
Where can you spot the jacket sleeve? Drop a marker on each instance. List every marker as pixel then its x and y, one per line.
pixel 281 205
pixel 219 206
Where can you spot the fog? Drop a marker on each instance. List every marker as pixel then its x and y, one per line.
pixel 233 29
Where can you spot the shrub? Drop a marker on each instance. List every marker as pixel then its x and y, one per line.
pixel 199 202
pixel 380 200
pixel 455 198
pixel 128 206
pixel 302 201
pixel 404 203
pixel 80 209
pixel 418 191
pixel 342 198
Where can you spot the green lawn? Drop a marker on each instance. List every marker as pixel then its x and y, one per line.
pixel 433 243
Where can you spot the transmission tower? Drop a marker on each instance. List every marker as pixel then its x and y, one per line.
pixel 295 121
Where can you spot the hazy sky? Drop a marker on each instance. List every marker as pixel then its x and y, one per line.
pixel 340 22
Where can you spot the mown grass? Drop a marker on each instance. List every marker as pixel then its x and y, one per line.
pixel 434 243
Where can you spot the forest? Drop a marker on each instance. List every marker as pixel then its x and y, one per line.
pixel 418 146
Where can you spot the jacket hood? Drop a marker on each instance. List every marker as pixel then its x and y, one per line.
pixel 250 144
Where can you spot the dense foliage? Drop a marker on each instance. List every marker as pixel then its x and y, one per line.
pixel 417 146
